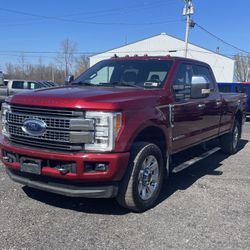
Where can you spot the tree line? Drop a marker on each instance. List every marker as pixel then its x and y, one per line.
pixel 66 62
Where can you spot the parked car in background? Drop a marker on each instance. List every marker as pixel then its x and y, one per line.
pixel 238 87
pixel 12 87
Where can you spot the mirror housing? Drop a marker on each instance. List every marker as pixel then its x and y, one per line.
pixel 68 79
pixel 200 87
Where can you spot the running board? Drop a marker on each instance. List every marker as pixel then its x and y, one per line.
pixel 188 163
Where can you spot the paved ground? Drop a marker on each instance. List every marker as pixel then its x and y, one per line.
pixel 204 207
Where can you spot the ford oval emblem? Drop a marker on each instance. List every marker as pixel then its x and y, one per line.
pixel 34 127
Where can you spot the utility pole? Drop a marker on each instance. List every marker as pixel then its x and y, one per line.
pixel 188 11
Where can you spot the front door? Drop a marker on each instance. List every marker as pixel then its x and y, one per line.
pixel 188 113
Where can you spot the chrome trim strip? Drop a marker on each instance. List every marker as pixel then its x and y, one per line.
pixel 82 124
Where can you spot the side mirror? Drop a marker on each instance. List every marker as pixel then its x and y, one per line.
pixel 199 87
pixel 68 79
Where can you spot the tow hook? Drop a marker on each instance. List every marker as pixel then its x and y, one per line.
pixel 63 171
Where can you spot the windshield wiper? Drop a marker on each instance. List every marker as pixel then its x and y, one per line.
pixel 83 83
pixel 126 84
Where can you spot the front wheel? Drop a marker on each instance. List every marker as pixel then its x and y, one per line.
pixel 230 141
pixel 142 182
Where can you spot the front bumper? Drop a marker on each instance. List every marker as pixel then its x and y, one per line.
pixel 67 188
pixel 117 165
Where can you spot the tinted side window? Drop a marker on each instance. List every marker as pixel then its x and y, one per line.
pixel 18 85
pixel 224 88
pixel 192 81
pixel 241 89
pixel 184 74
pixel 33 85
pixel 182 82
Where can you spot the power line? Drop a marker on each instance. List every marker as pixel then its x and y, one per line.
pixel 221 40
pixel 85 22
pixel 42 52
pixel 90 53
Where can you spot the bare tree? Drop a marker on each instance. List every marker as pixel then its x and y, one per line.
pixel 242 67
pixel 82 64
pixel 66 57
pixel 23 65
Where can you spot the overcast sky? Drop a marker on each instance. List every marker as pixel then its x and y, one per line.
pixel 97 25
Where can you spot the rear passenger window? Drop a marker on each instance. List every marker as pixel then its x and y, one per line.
pixel 18 85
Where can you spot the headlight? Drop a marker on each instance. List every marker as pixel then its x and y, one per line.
pixel 107 127
pixel 4 110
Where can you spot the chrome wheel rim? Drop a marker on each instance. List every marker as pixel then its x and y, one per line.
pixel 148 178
pixel 235 137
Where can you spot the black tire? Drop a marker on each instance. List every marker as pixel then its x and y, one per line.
pixel 230 141
pixel 129 195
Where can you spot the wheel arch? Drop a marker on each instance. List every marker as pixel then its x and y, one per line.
pixel 154 135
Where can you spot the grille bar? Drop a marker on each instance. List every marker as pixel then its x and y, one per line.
pixel 46 111
pixel 45 144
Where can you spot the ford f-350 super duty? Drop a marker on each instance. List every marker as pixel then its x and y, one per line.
pixel 115 129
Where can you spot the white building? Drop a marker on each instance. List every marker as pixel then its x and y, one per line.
pixel 164 44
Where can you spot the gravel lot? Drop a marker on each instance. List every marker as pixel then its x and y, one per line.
pixel 205 207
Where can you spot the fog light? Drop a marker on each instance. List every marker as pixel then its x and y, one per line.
pixel 96 167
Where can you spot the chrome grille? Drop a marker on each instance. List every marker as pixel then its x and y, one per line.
pixel 51 122
pixel 49 135
pixel 65 129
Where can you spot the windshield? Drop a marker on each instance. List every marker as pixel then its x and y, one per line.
pixel 131 73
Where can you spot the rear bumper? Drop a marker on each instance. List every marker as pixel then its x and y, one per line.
pixel 70 189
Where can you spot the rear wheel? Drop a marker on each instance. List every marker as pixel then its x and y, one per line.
pixel 142 182
pixel 230 141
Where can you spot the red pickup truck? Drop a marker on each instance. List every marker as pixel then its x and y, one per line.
pixel 115 129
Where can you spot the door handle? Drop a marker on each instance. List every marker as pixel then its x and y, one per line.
pixel 201 106
pixel 218 103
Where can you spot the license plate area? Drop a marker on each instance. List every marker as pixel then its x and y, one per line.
pixel 30 165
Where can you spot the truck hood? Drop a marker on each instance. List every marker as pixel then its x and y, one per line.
pixel 99 98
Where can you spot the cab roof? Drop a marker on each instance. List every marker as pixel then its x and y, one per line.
pixel 146 57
